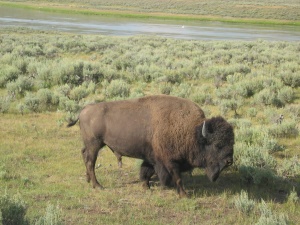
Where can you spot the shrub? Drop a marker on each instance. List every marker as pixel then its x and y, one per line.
pixel 13 210
pixel 293 197
pixel 202 97
pixel 44 96
pixel 243 204
pixel 53 216
pixel 229 99
pixel 183 90
pixel 227 105
pixel 110 74
pixel 4 104
pixel 21 64
pixel 63 90
pixel 91 87
pixel 290 79
pixel 68 73
pixel 289 167
pixel 78 93
pixel 143 73
pixel 8 74
pixel 266 97
pixel 285 95
pixel 224 71
pixel 68 105
pixel 138 92
pixel 7 58
pixel 294 110
pixel 165 88
pixel 239 124
pixel 268 218
pixel 288 128
pixel 289 74
pixel 256 175
pixel 3 174
pixel 252 154
pixel 45 76
pixel 117 89
pixel 92 72
pixel 31 102
pixel 252 112
pixel 171 76
pixel 20 86
pixel 249 86
pixel 260 136
pixel 46 99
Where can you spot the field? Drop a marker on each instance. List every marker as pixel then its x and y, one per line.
pixel 263 12
pixel 46 77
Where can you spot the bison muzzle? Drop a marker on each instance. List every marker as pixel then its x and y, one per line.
pixel 171 135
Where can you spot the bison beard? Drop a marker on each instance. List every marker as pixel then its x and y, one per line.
pixel 171 135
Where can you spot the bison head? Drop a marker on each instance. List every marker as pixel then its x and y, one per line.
pixel 216 140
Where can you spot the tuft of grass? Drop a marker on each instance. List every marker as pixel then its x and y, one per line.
pixel 244 204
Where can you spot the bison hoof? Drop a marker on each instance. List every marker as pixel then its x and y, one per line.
pixel 88 178
pixel 146 185
pixel 98 186
pixel 183 195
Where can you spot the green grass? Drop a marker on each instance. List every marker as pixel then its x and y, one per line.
pixel 44 165
pixel 266 12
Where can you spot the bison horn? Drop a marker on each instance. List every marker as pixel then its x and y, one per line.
pixel 204 132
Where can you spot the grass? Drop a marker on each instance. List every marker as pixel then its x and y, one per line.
pixel 43 164
pixel 258 13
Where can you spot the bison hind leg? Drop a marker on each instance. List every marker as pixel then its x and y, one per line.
pixel 85 159
pixel 119 158
pixel 146 173
pixel 90 153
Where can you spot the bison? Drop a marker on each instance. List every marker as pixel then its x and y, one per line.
pixel 170 134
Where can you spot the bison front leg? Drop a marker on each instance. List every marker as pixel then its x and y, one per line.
pixel 163 175
pixel 174 171
pixel 146 173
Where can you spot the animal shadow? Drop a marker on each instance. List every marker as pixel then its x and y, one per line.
pixel 232 183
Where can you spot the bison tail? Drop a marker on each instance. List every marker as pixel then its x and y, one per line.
pixel 72 122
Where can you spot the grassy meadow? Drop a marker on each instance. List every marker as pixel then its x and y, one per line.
pixel 260 12
pixel 46 77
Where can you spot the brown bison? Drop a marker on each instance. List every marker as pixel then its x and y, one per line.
pixel 170 135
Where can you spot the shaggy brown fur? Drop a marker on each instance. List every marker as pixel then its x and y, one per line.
pixel 161 130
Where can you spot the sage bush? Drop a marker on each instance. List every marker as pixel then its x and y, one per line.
pixel 12 210
pixel 243 204
pixel 267 217
pixel 8 74
pixel 116 89
pixel 52 216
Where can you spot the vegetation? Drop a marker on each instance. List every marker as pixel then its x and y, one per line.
pixel 46 77
pixel 264 12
